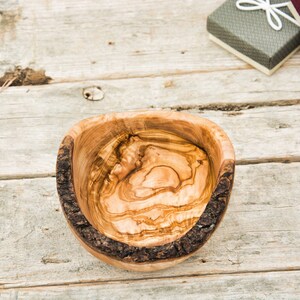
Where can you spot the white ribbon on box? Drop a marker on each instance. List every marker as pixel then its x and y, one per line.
pixel 272 11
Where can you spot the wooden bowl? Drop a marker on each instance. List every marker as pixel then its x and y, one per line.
pixel 144 190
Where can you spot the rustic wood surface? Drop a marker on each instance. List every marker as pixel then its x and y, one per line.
pixel 112 39
pixel 269 285
pixel 260 233
pixel 39 126
pixel 132 55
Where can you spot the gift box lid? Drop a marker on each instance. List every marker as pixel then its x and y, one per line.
pixel 249 33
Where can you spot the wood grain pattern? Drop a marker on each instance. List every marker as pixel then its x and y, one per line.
pixel 36 118
pixel 45 252
pixel 270 285
pixel 152 188
pixel 167 46
pixel 97 145
pixel 112 39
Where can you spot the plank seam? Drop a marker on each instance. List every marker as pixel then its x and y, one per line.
pixel 176 73
pixel 120 76
pixel 231 107
pixel 96 282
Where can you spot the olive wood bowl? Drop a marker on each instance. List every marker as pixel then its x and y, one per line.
pixel 144 190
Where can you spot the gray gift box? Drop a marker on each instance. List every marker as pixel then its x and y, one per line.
pixel 249 35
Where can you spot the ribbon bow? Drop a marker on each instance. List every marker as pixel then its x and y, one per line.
pixel 272 11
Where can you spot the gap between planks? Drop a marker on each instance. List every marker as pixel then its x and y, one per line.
pixel 242 162
pixel 228 107
pixel 96 282
pixel 120 76
pixel 242 248
pixel 143 40
pixel 212 106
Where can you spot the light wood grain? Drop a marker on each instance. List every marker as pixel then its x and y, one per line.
pixel 223 87
pixel 142 202
pixel 99 39
pixel 273 285
pixel 260 232
pixel 38 120
pixel 167 46
pixel 141 179
pixel 144 179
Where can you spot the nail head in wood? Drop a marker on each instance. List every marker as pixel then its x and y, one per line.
pixel 93 93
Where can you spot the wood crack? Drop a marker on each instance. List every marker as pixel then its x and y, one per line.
pixel 171 73
pixel 232 107
pixel 283 160
pixel 27 176
pixel 96 282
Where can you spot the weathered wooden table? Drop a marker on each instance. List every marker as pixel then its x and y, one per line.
pixel 143 54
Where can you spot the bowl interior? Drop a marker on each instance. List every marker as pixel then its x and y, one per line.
pixel 145 178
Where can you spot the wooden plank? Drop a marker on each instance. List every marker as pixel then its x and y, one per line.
pixel 96 39
pixel 33 120
pixel 276 285
pixel 260 232
pixel 245 86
